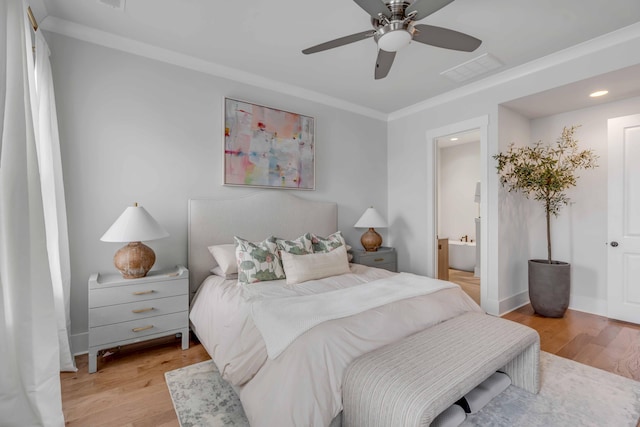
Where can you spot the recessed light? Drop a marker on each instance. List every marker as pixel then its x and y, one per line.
pixel 598 93
pixel 454 139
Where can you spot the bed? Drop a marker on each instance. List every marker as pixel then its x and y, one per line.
pixel 286 370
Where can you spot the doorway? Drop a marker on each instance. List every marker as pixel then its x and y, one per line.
pixel 458 195
pixel 486 245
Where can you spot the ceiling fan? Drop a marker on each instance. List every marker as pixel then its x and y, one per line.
pixel 394 26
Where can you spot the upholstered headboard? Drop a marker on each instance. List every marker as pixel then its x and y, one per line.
pixel 254 217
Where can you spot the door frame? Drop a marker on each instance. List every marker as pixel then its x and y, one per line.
pixel 488 233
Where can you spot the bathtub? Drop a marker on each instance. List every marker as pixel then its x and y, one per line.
pixel 462 255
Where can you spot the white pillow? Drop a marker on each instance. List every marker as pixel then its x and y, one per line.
pixel 300 268
pixel 218 272
pixel 225 256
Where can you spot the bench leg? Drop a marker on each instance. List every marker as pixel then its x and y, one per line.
pixel 524 369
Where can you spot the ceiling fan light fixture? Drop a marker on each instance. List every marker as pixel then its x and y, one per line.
pixel 395 40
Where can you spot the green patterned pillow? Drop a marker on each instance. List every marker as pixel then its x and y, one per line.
pixel 258 262
pixel 300 246
pixel 327 244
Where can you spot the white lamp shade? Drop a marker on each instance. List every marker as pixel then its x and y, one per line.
pixel 371 219
pixel 477 196
pixel 134 225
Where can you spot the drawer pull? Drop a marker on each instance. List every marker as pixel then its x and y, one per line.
pixel 142 328
pixel 142 310
pixel 378 259
pixel 150 291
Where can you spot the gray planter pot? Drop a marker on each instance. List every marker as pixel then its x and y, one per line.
pixel 549 287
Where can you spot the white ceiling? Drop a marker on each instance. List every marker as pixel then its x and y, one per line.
pixel 623 83
pixel 265 38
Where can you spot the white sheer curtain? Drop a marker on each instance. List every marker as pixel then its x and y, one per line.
pixel 55 212
pixel 29 350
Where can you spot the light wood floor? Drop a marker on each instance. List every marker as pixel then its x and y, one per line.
pixel 468 282
pixel 129 387
pixel 593 340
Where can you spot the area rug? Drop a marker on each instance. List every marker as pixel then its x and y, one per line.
pixel 572 394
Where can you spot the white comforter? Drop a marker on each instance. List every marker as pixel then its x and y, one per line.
pixel 302 385
pixel 282 320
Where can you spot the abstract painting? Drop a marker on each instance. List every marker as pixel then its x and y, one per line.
pixel 266 147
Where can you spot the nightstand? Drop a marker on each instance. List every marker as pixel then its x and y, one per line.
pixel 125 311
pixel 384 257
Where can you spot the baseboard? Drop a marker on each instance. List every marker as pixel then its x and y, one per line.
pixel 513 302
pixel 578 303
pixel 80 343
pixel 588 305
pixel 490 306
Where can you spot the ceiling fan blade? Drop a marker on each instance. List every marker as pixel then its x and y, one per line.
pixel 339 42
pixel 374 8
pixel 445 38
pixel 384 63
pixel 426 7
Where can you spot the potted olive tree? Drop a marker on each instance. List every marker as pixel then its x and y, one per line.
pixel 545 172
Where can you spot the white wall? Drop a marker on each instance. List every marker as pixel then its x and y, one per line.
pixel 136 130
pixel 411 164
pixel 514 210
pixel 458 173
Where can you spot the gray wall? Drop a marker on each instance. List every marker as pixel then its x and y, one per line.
pixel 137 130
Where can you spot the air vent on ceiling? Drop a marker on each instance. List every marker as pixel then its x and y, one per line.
pixel 473 68
pixel 114 4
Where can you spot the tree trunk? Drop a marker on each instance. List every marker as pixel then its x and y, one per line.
pixel 548 233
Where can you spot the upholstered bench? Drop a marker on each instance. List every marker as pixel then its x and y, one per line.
pixel 410 382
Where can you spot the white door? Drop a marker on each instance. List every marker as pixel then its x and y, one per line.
pixel 624 219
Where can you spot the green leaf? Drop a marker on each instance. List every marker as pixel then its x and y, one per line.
pixel 296 251
pixel 248 265
pixel 242 277
pixel 265 275
pixel 545 172
pixel 260 254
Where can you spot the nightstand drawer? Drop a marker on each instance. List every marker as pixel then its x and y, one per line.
pixel 137 328
pixel 137 292
pixel 107 315
pixel 376 258
pixel 391 266
pixel 384 257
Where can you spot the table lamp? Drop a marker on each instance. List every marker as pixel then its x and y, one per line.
pixel 135 259
pixel 371 240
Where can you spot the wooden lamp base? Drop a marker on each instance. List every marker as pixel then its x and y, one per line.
pixel 371 240
pixel 134 260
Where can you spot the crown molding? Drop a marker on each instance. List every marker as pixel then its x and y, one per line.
pixel 605 41
pixel 113 41
pixel 110 40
